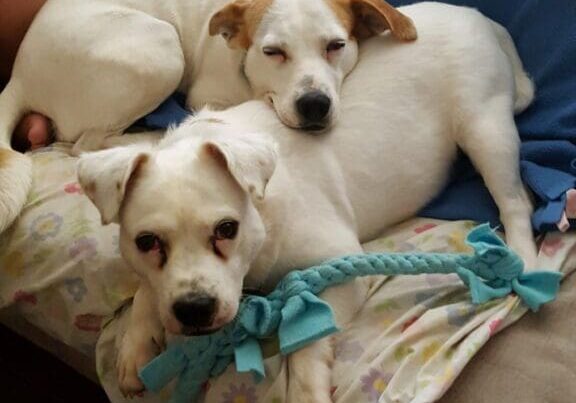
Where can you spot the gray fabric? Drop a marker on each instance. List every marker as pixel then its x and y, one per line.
pixel 533 361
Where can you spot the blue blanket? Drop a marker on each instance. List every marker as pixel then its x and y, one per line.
pixel 545 34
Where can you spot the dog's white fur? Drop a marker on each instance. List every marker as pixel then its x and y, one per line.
pixel 300 199
pixel 95 67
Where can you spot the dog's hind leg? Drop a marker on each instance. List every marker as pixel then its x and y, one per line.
pixel 491 141
pixel 120 66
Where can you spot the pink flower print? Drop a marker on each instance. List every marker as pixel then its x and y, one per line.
pixel 73 188
pixel 494 326
pixel 240 394
pixel 409 323
pixel 424 228
pixel 551 245
pixel 83 248
pixel 23 296
pixel 374 384
pixel 89 322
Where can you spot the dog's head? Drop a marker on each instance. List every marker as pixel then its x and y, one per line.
pixel 299 51
pixel 188 222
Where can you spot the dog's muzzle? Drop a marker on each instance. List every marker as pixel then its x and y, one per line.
pixel 195 311
pixel 313 110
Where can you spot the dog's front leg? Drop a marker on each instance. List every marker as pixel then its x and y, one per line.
pixel 310 369
pixel 142 341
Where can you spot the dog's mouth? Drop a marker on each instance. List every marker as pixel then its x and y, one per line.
pixel 315 128
pixel 192 331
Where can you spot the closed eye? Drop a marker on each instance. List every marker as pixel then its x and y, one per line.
pixel 275 53
pixel 335 45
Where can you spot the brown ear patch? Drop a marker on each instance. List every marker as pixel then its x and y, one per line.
pixel 343 12
pixel 238 21
pixel 366 18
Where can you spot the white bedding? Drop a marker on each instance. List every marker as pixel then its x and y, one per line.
pixel 412 339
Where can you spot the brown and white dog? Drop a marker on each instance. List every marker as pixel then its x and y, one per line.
pixel 234 197
pixel 95 67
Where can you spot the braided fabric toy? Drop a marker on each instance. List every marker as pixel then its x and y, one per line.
pixel 295 313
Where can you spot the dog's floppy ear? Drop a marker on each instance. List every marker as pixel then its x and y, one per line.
pixel 237 21
pixel 250 159
pixel 372 17
pixel 105 176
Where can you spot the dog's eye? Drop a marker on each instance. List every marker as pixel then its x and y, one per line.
pixel 147 241
pixel 226 229
pixel 335 46
pixel 274 52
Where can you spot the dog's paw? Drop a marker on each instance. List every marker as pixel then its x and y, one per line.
pixel 132 356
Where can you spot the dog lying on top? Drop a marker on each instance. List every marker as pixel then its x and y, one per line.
pixel 235 198
pixel 95 67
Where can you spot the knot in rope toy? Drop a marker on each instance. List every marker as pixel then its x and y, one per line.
pixel 298 317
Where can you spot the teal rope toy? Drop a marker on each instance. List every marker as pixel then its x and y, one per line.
pixel 295 313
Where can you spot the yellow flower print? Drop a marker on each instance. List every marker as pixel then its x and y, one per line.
pixel 430 350
pixel 457 241
pixel 13 264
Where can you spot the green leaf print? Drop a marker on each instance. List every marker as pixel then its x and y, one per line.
pixel 402 352
pixel 386 305
pixel 80 227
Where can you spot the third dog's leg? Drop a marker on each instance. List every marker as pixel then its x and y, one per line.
pixel 143 340
pixel 492 143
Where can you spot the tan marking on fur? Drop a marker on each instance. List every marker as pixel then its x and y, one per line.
pixel 343 13
pixel 238 21
pixel 5 156
pixel 366 18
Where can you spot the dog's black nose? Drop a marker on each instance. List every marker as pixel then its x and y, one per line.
pixel 195 310
pixel 313 108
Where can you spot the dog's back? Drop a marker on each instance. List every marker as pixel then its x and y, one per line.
pixel 405 110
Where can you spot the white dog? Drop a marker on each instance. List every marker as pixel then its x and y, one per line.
pixel 235 198
pixel 95 67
